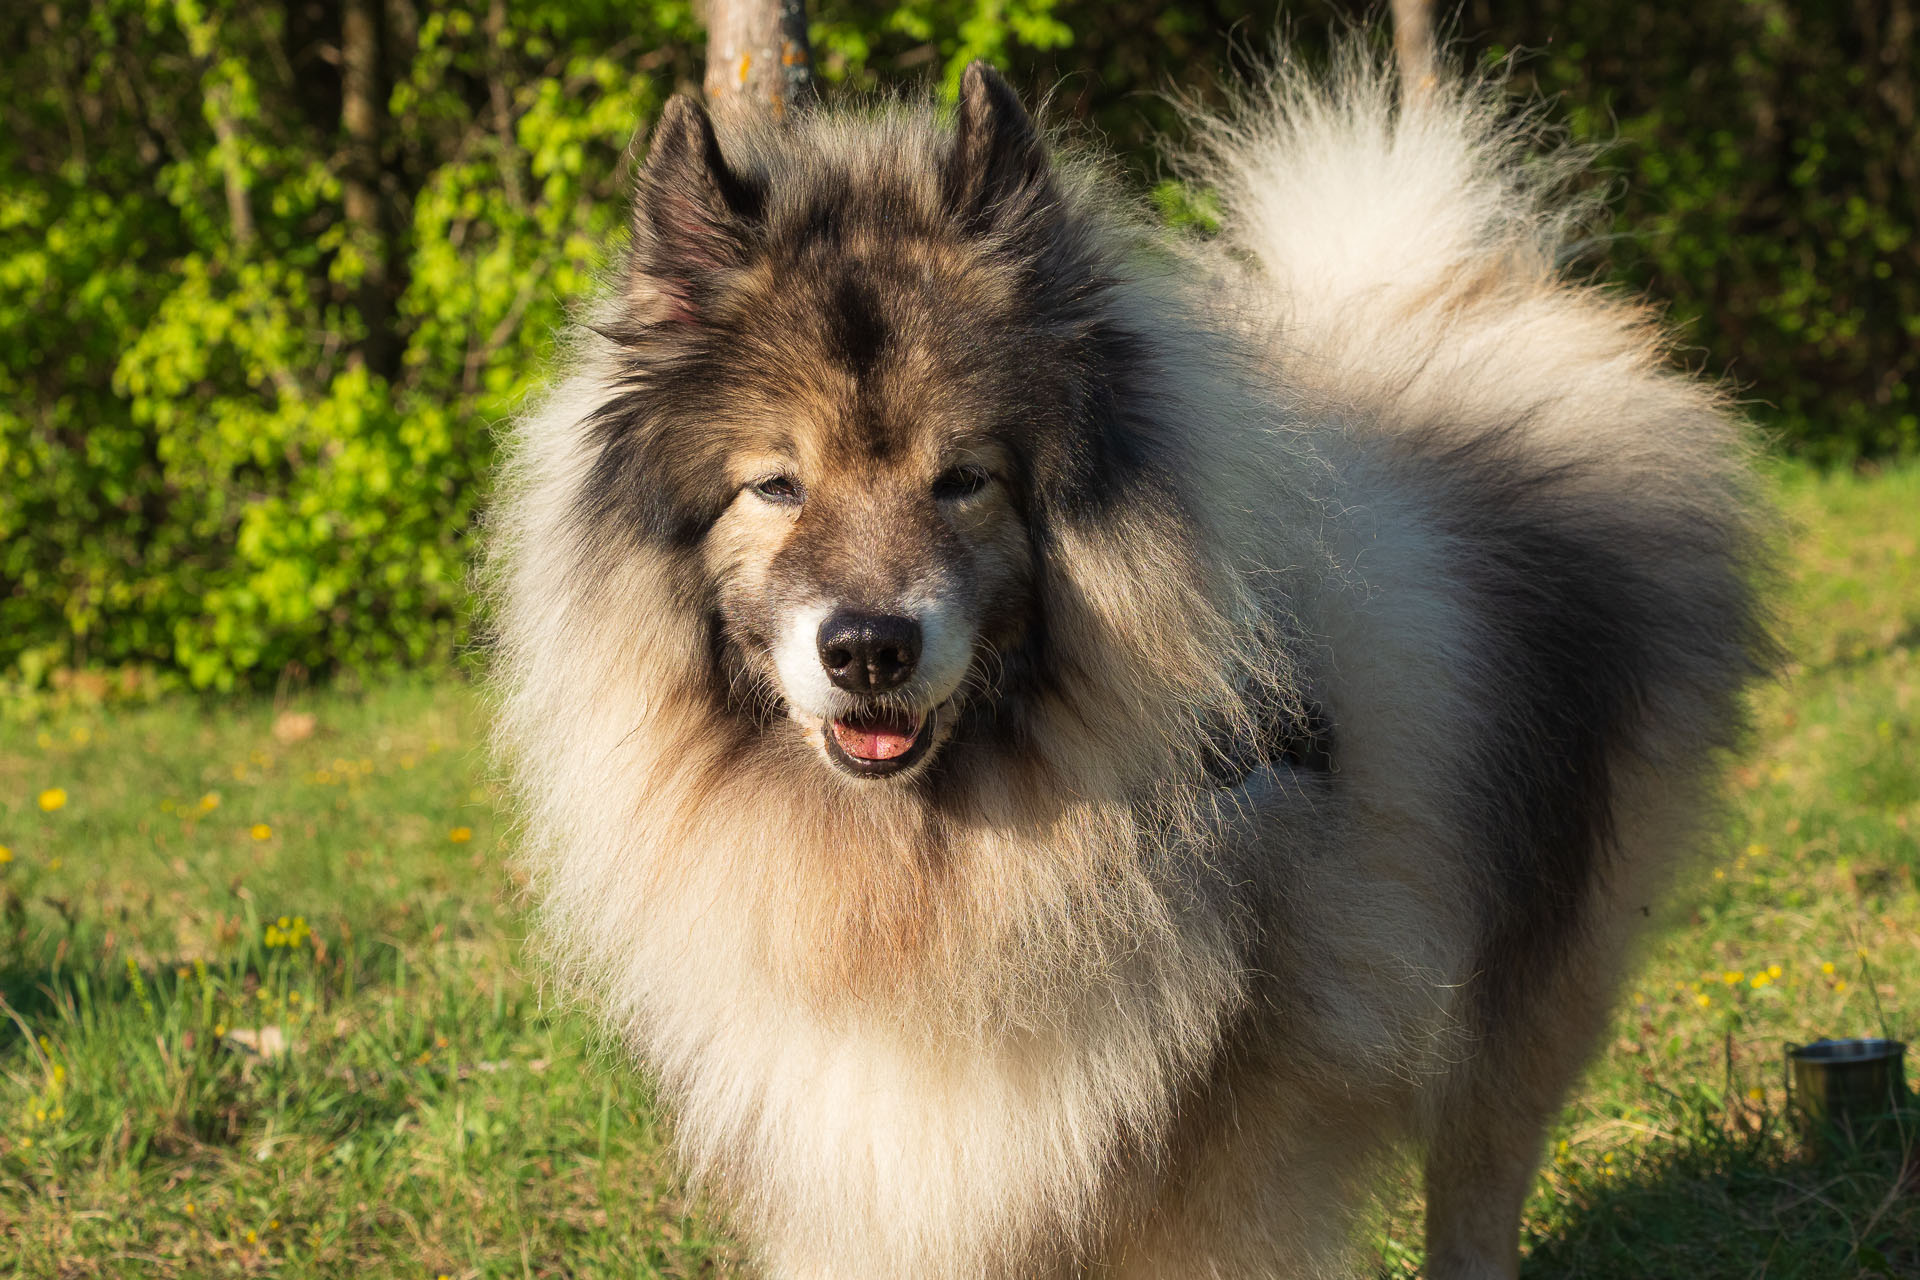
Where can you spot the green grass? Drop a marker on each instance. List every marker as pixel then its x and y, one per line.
pixel 434 1116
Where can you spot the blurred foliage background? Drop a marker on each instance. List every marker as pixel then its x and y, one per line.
pixel 271 271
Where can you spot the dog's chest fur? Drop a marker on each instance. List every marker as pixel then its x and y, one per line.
pixel 877 1142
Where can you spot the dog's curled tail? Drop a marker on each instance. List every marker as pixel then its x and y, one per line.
pixel 1367 200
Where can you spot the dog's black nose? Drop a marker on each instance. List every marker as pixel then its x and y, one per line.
pixel 869 653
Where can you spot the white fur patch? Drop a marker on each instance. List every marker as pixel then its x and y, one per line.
pixel 804 683
pixel 946 648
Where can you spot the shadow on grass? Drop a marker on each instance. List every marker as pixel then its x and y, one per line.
pixel 1753 1202
pixel 48 974
pixel 182 1038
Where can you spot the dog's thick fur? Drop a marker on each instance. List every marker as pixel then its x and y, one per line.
pixel 1349 611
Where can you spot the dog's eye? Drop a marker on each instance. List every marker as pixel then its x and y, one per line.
pixel 960 482
pixel 778 489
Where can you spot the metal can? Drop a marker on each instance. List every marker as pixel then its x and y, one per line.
pixel 1843 1085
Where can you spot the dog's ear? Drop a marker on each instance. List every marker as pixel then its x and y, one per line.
pixel 997 172
pixel 692 212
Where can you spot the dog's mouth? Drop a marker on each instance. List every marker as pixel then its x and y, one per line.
pixel 879 743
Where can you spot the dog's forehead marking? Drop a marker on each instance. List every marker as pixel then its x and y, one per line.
pixel 895 377
pixel 858 329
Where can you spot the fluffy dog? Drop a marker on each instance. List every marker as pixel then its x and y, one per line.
pixel 1059 743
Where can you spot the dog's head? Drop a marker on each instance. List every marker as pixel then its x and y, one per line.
pixel 865 374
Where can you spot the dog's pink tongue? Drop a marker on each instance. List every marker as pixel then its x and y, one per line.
pixel 884 739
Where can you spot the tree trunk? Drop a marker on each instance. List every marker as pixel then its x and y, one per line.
pixel 757 52
pixel 1413 46
pixel 360 113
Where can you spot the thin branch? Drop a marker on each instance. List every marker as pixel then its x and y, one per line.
pixel 478 357
pixel 502 105
pixel 232 174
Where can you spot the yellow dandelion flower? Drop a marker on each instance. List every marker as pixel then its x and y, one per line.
pixel 1827 968
pixel 1607 1158
pixel 1719 874
pixel 209 802
pixel 460 835
pixel 189 1208
pixel 1840 986
pixel 1733 977
pixel 6 855
pixel 1756 1095
pixel 1760 980
pixel 1756 850
pixel 1774 971
pixel 253 1237
pixel 261 831
pixel 53 798
pixel 1703 1000
pixel 274 1225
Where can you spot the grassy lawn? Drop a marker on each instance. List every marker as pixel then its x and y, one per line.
pixel 267 1009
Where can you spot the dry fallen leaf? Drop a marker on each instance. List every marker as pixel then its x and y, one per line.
pixel 264 1042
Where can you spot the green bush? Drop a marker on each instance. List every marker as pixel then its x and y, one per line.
pixel 246 423
pixel 210 467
